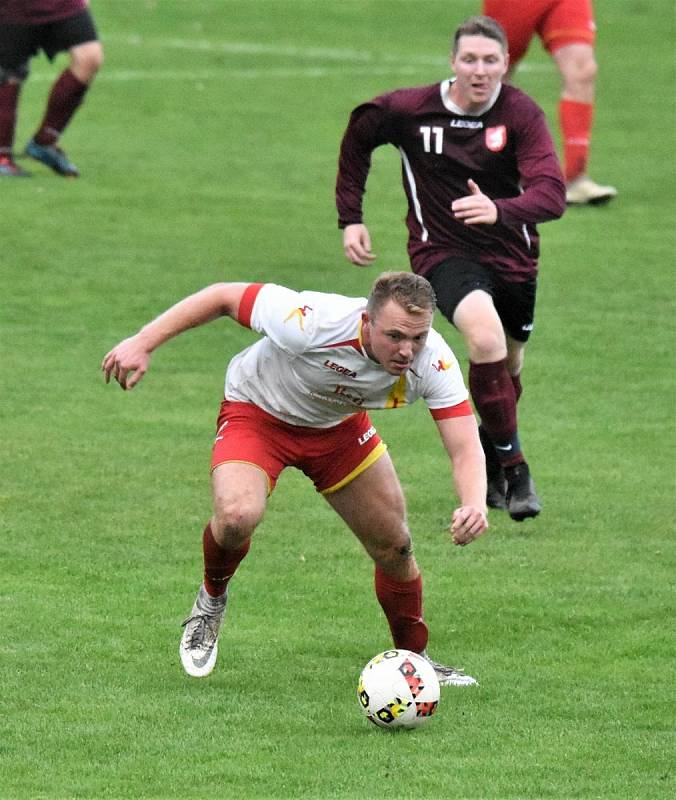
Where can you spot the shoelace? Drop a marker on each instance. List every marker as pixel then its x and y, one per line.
pixel 444 670
pixel 205 623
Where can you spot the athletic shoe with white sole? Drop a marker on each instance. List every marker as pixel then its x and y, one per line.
pixel 583 191
pixel 450 676
pixel 199 644
pixel 53 157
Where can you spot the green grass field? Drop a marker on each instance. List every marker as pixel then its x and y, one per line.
pixel 208 152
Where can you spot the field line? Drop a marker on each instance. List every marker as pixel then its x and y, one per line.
pixel 325 54
pixel 221 74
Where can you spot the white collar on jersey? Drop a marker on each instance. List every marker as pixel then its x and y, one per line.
pixel 451 106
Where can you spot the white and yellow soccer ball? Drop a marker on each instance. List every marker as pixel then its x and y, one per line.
pixel 398 689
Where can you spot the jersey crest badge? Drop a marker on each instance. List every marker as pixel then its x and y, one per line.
pixel 496 138
pixel 441 365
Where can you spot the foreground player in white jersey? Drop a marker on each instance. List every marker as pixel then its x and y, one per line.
pixel 297 397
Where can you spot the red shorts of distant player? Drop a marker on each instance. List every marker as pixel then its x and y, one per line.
pixel 330 457
pixel 557 23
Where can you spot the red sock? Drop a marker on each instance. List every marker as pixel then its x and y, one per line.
pixel 9 100
pixel 402 604
pixel 219 564
pixel 64 99
pixel 575 120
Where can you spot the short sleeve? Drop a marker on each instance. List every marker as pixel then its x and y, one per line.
pixel 442 384
pixel 285 316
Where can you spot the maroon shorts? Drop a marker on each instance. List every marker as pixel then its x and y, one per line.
pixel 556 22
pixel 330 457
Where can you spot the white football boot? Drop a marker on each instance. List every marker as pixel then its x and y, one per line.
pixel 583 191
pixel 199 644
pixel 450 676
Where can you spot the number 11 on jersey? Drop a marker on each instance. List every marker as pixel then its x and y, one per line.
pixel 427 133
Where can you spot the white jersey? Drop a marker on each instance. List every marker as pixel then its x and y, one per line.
pixel 311 368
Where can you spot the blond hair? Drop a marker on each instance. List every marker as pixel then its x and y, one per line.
pixel 412 292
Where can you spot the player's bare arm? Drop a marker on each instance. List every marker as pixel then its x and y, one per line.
pixel 357 244
pixel 476 208
pixel 460 437
pixel 129 360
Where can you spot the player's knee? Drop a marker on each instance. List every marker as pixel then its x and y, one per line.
pixel 397 553
pixel 236 520
pixel 585 73
pixel 86 61
pixel 580 74
pixel 404 550
pixel 487 345
pixel 398 561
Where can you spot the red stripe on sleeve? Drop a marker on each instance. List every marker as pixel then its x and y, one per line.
pixel 246 304
pixel 463 409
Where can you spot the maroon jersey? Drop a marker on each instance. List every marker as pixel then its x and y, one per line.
pixel 507 150
pixel 38 12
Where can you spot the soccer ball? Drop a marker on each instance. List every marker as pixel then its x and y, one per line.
pixel 398 689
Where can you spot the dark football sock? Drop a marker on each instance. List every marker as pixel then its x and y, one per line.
pixel 9 100
pixel 66 95
pixel 494 395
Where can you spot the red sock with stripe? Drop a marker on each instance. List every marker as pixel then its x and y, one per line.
pixel 575 120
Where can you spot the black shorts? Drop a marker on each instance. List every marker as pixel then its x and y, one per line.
pixel 455 278
pixel 19 43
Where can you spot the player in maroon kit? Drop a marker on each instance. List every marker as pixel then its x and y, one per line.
pixel 479 171
pixel 27 26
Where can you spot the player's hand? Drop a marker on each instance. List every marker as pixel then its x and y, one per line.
pixel 476 208
pixel 357 245
pixel 127 362
pixel 468 522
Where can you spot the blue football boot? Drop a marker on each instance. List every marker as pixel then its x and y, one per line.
pixel 52 157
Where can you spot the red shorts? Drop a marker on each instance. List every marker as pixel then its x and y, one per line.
pixel 330 457
pixel 557 23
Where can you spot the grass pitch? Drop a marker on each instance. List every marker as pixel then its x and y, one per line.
pixel 208 152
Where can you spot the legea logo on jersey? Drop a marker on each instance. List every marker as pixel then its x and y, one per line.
pixel 496 138
pixel 299 314
pixel 441 365
pixel 474 124
pixel 340 369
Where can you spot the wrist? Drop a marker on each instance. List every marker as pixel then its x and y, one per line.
pixel 148 338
